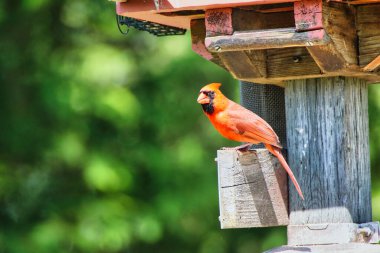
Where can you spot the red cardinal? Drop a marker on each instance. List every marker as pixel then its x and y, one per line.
pixel 237 123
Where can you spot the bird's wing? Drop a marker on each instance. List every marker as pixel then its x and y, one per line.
pixel 252 126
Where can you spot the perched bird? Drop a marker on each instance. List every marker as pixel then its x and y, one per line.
pixel 237 123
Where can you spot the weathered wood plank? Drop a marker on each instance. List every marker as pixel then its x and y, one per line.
pixel 280 65
pixel 256 50
pixel 329 233
pixel 265 39
pixel 368 26
pixel 290 62
pixel 328 150
pixel 252 189
pixel 218 22
pixel 340 53
pixel 280 81
pixel 327 58
pixel 362 2
pixel 198 35
pixel 308 15
pixel 247 20
pixel 258 59
pixel 176 5
pixel 368 30
pixel 373 65
pixel 334 248
pixel 368 58
pixel 339 23
pixel 245 64
pixel 368 13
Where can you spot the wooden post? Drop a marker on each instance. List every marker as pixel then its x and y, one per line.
pixel 327 135
pixel 327 127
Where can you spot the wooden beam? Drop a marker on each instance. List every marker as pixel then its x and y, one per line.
pixel 279 9
pixel 252 189
pixel 330 233
pixel 218 22
pixel 328 152
pixel 198 35
pixel 290 62
pixel 245 64
pixel 265 39
pixel 334 248
pixel 280 81
pixel 356 2
pixel 261 48
pixel 249 20
pixel 308 15
pixel 177 5
pixel 368 30
pixel 327 58
pixel 338 21
pixel 373 65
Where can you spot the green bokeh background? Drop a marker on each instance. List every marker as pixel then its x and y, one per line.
pixel 103 147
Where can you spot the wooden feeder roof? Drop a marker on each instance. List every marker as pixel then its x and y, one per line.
pixel 178 13
pixel 269 41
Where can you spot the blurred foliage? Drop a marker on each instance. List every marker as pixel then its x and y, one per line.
pixel 103 147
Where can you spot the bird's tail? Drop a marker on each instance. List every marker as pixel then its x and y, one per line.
pixel 277 152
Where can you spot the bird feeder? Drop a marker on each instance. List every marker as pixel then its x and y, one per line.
pixel 320 56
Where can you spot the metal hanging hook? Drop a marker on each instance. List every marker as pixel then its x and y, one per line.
pixel 120 20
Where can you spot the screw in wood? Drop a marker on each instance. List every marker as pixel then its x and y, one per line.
pixel 297 59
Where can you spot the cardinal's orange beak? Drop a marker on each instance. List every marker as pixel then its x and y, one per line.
pixel 203 98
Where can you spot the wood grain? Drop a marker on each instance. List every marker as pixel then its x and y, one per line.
pixel 373 65
pixel 327 133
pixel 308 15
pixel 267 48
pixel 341 52
pixel 368 26
pixel 339 22
pixel 290 62
pixel 178 5
pixel 198 35
pixel 218 22
pixel 265 39
pixel 328 58
pixel 247 20
pixel 252 189
pixel 245 64
pixel 334 248
pixel 329 233
pixel 362 2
